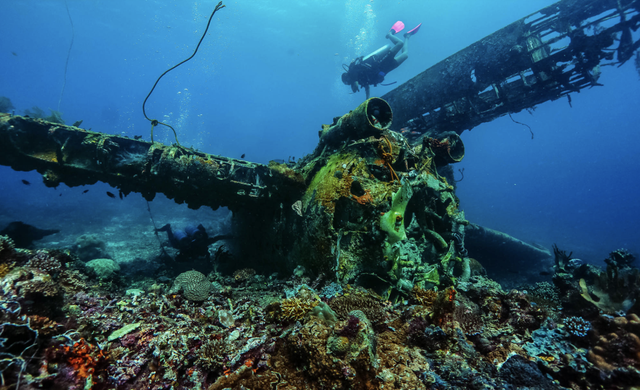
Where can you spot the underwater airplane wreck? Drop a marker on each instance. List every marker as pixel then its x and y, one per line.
pixel 371 208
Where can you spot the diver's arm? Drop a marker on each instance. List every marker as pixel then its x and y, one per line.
pixel 367 89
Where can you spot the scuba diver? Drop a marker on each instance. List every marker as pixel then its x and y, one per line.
pixel 370 70
pixel 191 242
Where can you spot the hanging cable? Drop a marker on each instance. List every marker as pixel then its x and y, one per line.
pixel 66 65
pixel 155 122
pixel 155 230
pixel 523 124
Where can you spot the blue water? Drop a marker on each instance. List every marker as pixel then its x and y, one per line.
pixel 268 75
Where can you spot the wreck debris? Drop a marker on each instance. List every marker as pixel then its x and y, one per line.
pixel 542 57
pixel 368 119
pixel 73 156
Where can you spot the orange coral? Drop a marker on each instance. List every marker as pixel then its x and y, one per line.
pixel 83 357
pixel 363 199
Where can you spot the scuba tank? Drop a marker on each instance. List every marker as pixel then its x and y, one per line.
pixel 380 52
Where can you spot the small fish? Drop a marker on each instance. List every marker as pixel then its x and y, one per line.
pixel 242 155
pixel 60 194
pixel 14 53
pixel 137 137
pixel 77 123
pixel 110 195
pixel 120 195
pixel 415 133
pixel 545 273
pixel 26 183
pixel 85 191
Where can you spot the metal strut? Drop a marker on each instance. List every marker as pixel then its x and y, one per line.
pixel 542 57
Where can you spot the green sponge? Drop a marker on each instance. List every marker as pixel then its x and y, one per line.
pixel 392 221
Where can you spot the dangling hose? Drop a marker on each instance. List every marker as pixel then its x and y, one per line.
pixel 155 122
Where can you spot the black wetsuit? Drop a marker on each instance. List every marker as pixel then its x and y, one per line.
pixel 191 243
pixel 370 71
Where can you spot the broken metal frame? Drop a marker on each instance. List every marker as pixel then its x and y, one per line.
pixel 519 66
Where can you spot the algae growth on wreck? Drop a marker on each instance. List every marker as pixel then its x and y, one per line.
pixel 302 237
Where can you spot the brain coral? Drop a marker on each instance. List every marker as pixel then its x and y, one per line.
pixel 193 284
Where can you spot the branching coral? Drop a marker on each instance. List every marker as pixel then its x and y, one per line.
pixel 294 309
pixel 424 297
pixel 213 353
pixel 577 326
pixel 43 261
pixel 561 258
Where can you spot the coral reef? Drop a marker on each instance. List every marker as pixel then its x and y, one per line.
pixel 295 333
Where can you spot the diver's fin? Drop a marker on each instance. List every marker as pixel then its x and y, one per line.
pixel 397 27
pixel 414 30
pixel 165 228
